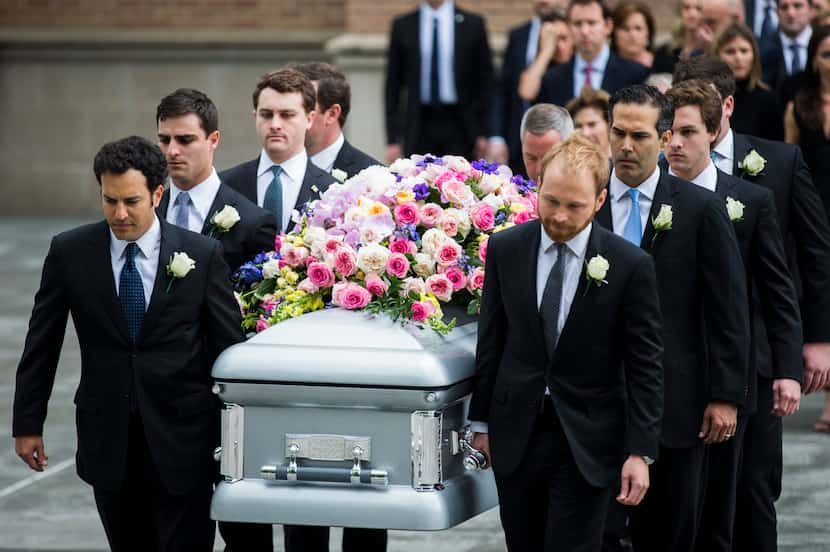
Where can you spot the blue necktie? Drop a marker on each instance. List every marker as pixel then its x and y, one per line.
pixel 796 66
pixel 273 196
pixel 183 203
pixel 434 82
pixel 131 292
pixel 767 27
pixel 634 226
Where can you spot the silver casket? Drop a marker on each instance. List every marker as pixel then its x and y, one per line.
pixel 341 419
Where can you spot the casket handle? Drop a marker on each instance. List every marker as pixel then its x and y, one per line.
pixel 325 475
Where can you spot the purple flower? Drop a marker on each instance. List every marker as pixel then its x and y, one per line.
pixel 429 160
pixel 421 191
pixel 485 167
pixel 247 274
pixel 524 186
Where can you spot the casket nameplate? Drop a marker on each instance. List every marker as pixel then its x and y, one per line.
pixel 328 447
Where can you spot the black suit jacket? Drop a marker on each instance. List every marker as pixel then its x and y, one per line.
pixel 243 179
pixel 253 234
pixel 803 224
pixel 507 107
pixel 166 372
pixel 703 297
pixel 558 82
pixel 472 68
pixel 773 64
pixel 774 315
pixel 351 160
pixel 605 376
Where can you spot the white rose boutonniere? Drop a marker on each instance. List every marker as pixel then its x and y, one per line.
pixel 662 222
pixel 595 271
pixel 339 175
pixel 752 164
pixel 179 266
pixel 735 209
pixel 223 220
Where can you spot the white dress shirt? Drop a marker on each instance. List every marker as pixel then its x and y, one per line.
pixel 620 201
pixel 446 44
pixel 597 69
pixel 325 158
pixel 293 173
pixel 725 150
pixel 533 40
pixel 576 248
pixel 758 21
pixel 707 178
pixel 146 259
pixel 802 40
pixel 202 195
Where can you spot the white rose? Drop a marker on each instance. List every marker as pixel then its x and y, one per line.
pixel 270 269
pixel 432 240
pixel 494 201
pixel 463 219
pixel 597 268
pixel 226 218
pixel 314 234
pixel 753 163
pixel 372 258
pixel 180 265
pixel 663 219
pixel 424 265
pixel 339 175
pixel 355 215
pixel 735 209
pixel 490 183
pixel 457 164
pixel 370 234
pixel 403 167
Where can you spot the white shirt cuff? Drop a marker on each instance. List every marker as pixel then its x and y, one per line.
pixel 479 427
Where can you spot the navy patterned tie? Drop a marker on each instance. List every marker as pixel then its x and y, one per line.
pixel 131 292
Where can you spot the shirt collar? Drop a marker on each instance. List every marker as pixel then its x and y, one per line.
pixel 599 63
pixel 619 189
pixel 325 158
pixel 803 38
pixel 726 147
pixel 443 10
pixel 147 242
pixel 294 167
pixel 202 194
pixel 707 178
pixel 577 244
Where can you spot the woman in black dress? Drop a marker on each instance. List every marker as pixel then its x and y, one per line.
pixel 807 123
pixel 633 36
pixel 757 109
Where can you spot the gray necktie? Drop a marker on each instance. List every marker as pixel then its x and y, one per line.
pixel 183 203
pixel 273 196
pixel 552 300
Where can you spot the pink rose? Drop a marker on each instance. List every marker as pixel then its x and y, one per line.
pixel 476 280
pixel 294 256
pixel 278 242
pixel 307 286
pixel 332 245
pixel 449 224
pixel 268 305
pixel 407 213
pixel 376 285
pixel 519 218
pixel 397 265
pixel 457 277
pixel 355 297
pixel 430 214
pixel 421 310
pixel 446 176
pixel 345 261
pixel 337 291
pixel 262 324
pixel 448 253
pixel 401 245
pixel 483 217
pixel 440 286
pixel 482 249
pixel 458 193
pixel 320 275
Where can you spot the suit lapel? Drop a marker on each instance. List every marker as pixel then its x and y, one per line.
pixel 724 185
pixel 306 191
pixel 610 74
pixel 531 262
pixel 740 148
pixel 102 279
pixel 603 216
pixel 164 204
pixel 160 297
pixel 219 201
pixel 662 196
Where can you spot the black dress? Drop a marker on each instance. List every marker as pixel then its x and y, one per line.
pixel 757 113
pixel 665 58
pixel 816 149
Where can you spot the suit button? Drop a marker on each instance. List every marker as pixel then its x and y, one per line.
pixel 125 396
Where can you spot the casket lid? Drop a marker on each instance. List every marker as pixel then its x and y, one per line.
pixel 340 347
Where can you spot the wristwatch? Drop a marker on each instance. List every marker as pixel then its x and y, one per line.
pixel 648 460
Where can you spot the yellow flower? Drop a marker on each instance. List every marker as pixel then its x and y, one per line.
pixel 378 208
pixel 360 275
pixel 504 226
pixel 281 283
pixel 518 207
pixel 298 242
pixel 292 277
pixel 405 197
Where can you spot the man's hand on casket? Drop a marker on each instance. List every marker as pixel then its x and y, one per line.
pixel 30 449
pixel 481 442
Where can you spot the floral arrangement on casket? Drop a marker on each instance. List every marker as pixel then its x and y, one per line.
pixel 400 240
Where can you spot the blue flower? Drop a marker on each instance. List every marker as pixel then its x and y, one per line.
pixel 523 185
pixel 485 167
pixel 249 273
pixel 429 160
pixel 500 217
pixel 260 258
pixel 421 191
